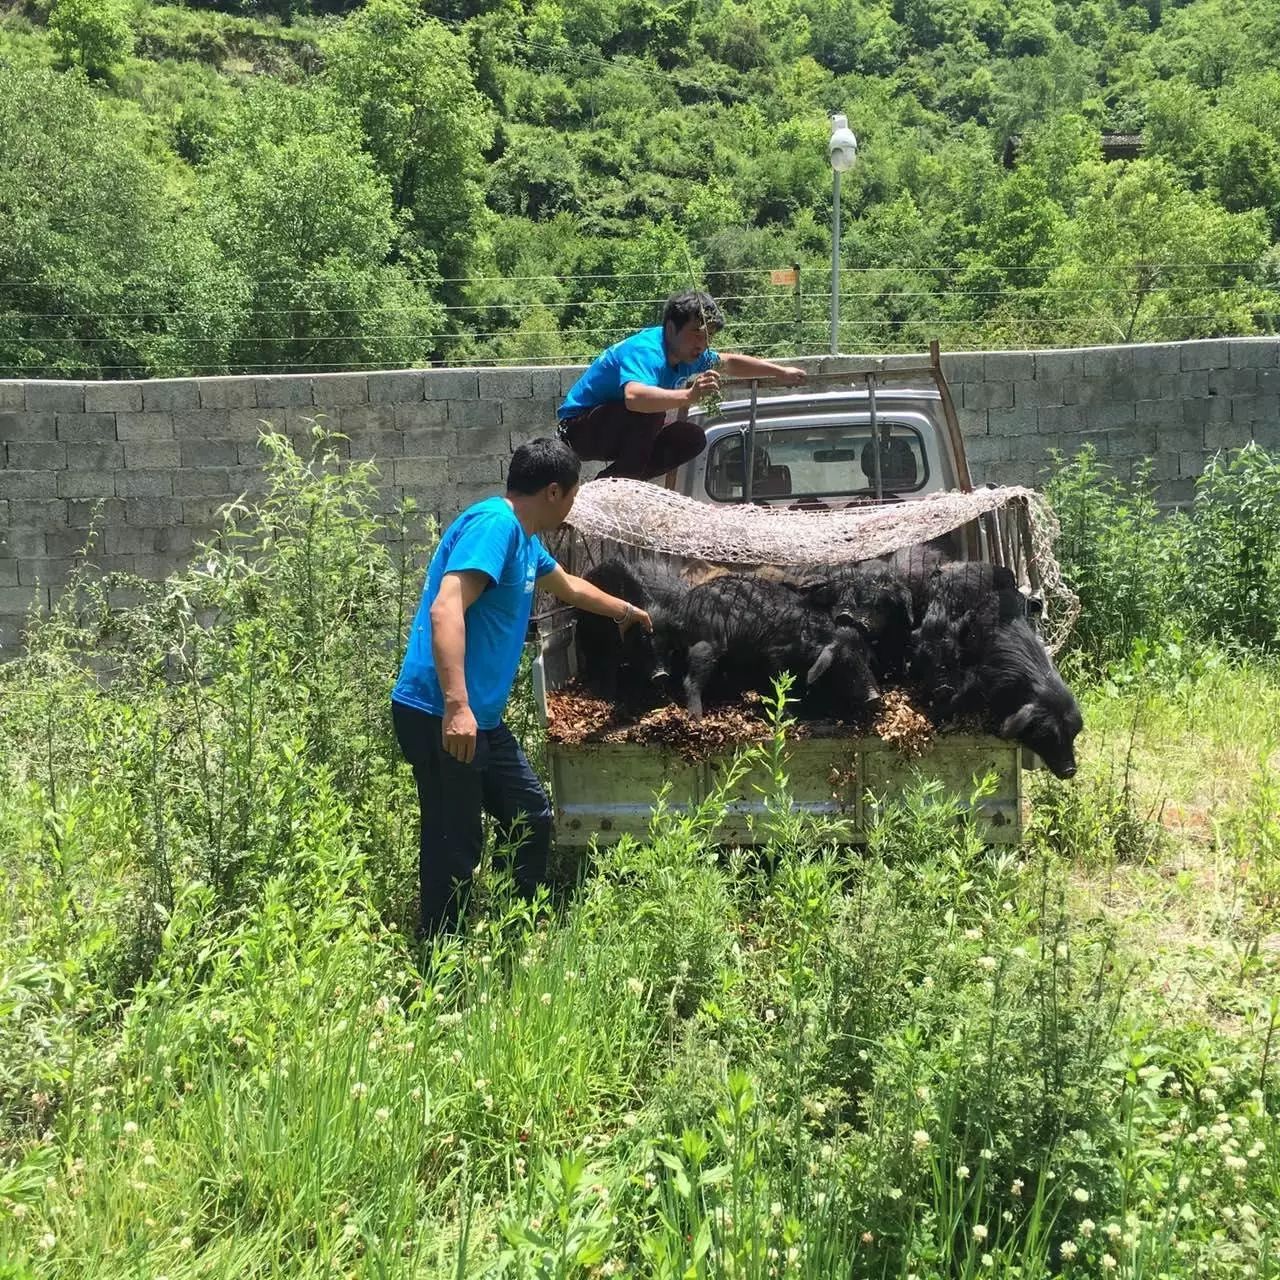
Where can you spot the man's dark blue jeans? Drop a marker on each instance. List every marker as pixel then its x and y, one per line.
pixel 452 799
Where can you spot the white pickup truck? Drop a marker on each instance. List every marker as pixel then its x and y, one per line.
pixel 865 437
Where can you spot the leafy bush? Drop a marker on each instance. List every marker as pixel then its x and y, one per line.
pixel 1120 557
pixel 93 34
pixel 1146 580
pixel 1232 549
pixel 246 703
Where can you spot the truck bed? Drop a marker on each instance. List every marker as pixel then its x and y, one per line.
pixel 602 791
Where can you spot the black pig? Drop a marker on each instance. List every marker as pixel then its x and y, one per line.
pixel 636 664
pixel 745 631
pixel 1015 685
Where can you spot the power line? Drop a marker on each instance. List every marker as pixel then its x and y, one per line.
pixel 671 274
pixel 779 296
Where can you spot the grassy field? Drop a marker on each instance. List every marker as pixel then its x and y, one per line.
pixel 221 1056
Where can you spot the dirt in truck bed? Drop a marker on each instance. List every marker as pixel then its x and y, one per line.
pixel 577 716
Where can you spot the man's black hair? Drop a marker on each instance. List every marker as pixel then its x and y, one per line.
pixel 680 308
pixel 541 462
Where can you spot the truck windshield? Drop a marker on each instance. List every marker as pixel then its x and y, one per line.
pixel 819 462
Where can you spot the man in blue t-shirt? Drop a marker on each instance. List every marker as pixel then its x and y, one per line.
pixel 616 412
pixel 464 648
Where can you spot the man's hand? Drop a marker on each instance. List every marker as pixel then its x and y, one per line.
pixel 705 384
pixel 790 376
pixel 635 617
pixel 458 732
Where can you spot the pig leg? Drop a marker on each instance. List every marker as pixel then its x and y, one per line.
pixel 701 663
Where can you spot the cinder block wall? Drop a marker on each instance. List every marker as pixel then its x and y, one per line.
pixel 155 460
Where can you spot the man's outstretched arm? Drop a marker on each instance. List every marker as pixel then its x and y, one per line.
pixel 582 595
pixel 740 366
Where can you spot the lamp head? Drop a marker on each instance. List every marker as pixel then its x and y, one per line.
pixel 842 147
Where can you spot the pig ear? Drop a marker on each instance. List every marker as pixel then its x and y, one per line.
pixel 1019 722
pixel 822 665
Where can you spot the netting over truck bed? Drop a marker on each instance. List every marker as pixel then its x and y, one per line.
pixel 1017 527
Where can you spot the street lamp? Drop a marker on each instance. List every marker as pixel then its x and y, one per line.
pixel 842 150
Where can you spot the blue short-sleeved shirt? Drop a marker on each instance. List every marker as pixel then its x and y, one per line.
pixel 487 538
pixel 639 358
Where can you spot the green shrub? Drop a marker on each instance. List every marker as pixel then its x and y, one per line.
pixel 93 34
pixel 1232 549
pixel 1147 581
pixel 1120 557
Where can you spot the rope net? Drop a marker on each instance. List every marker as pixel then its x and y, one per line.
pixel 1013 526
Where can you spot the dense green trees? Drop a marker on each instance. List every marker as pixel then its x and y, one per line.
pixel 396 181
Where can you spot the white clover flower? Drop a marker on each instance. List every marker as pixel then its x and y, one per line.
pixel 986 1153
pixel 1015 1188
pixel 1108 1262
pixel 1080 1195
pixel 635 986
pixel 129 1127
pixel 545 997
pixel 979 1232
pixel 1087 1227
pixel 775 1209
pixel 988 1260
pixel 1112 1230
pixel 47 1241
pixel 962 1171
pixel 382 1115
pixel 359 1089
pixel 987 963
pixel 1067 1250
pixel 920 1139
pixel 973 934
pixel 350 1231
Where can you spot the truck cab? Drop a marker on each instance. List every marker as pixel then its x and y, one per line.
pixel 817 450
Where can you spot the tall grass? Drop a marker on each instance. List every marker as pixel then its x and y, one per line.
pixel 1209 574
pixel 220 1056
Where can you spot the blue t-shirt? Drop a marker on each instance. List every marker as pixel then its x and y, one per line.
pixel 489 539
pixel 639 358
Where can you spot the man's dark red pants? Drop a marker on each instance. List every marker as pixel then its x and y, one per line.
pixel 637 446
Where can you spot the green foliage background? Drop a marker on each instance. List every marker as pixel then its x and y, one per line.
pixel 292 184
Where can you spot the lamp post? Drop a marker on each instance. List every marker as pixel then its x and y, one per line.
pixel 842 150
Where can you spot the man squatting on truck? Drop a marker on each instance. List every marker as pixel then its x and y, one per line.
pixel 616 412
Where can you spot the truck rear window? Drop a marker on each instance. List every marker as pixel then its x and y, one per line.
pixel 819 462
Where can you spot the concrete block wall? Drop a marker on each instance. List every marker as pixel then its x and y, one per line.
pixel 151 462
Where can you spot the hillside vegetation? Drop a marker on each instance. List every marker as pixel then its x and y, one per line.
pixel 272 184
